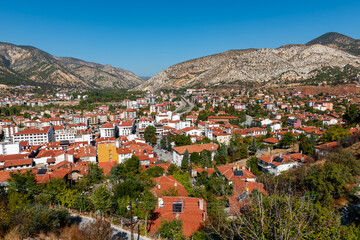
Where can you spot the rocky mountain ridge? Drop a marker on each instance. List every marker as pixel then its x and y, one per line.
pixel 30 65
pixel 289 62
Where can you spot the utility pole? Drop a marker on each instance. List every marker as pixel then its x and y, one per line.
pixel 131 222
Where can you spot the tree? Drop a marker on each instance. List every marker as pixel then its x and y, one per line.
pixel 132 166
pixel 334 133
pixel 171 229
pixel 130 187
pixel 195 109
pixel 169 140
pixel 205 159
pixel 252 164
pixel 352 115
pixel 195 158
pixel 305 145
pixel 172 169
pixel 287 140
pixel 150 132
pixel 95 174
pixel 117 172
pixel 203 115
pixel 153 140
pixel 154 172
pixel 22 185
pixel 101 199
pixel 284 121
pixel 185 161
pixel 163 143
pixel 148 204
pixel 253 147
pixel 182 140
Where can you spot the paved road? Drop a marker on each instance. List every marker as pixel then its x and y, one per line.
pixel 163 155
pixel 118 232
pixel 191 105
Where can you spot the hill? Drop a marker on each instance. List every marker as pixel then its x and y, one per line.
pixel 338 41
pixel 286 63
pixel 30 65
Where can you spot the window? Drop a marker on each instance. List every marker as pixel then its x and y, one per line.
pixel 177 206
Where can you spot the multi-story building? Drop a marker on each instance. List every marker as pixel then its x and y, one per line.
pixel 35 136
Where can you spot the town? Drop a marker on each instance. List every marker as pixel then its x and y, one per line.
pixel 186 153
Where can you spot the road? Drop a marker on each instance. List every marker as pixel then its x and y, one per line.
pixel 191 105
pixel 118 232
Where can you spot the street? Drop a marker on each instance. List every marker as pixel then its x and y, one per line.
pixel 118 232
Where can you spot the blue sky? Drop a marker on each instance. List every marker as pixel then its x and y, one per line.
pixel 146 37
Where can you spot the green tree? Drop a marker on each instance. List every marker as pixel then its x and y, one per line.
pixel 203 115
pixel 22 185
pixel 352 115
pixel 205 159
pixel 101 199
pixel 171 229
pixel 129 188
pixel 117 173
pixel 132 166
pixel 253 147
pixel 334 133
pixel 154 172
pixel 185 161
pixel 169 140
pixel 147 206
pixel 305 145
pixel 287 140
pixel 95 174
pixel 163 143
pixel 182 140
pixel 150 132
pixel 252 164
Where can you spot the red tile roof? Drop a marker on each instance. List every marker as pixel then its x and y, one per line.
pixel 166 183
pixel 192 215
pixel 196 148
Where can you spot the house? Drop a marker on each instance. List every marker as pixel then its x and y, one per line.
pixel 277 164
pixel 326 148
pixel 191 131
pixel 242 190
pixel 124 153
pixel 166 185
pixel 222 137
pixel 191 211
pixel 178 152
pixel 49 157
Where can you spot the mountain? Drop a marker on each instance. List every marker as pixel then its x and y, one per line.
pixel 289 62
pixel 338 41
pixel 30 65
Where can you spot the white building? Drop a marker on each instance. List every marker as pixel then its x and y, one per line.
pixel 36 136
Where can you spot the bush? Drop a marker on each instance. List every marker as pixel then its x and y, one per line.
pixel 39 218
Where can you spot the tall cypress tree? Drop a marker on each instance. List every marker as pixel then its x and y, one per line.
pixel 185 161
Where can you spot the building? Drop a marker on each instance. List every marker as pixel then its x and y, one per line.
pixel 35 136
pixel 178 152
pixel 107 152
pixel 191 211
pixel 279 163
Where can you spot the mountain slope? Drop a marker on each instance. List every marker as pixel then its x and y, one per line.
pixel 29 65
pixel 338 41
pixel 289 62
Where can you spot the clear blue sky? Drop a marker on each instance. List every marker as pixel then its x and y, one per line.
pixel 148 36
